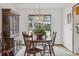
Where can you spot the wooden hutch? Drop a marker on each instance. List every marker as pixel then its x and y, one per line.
pixel 10 27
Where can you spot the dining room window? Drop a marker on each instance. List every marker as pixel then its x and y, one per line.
pixel 44 19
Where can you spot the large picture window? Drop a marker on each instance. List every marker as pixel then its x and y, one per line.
pixel 33 19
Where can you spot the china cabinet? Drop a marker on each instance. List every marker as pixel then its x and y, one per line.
pixel 10 29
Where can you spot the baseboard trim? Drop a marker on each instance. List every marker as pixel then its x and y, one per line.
pixel 77 54
pixel 68 49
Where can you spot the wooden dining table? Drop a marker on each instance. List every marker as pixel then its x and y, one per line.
pixel 43 41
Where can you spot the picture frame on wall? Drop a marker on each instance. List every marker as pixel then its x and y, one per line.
pixel 69 15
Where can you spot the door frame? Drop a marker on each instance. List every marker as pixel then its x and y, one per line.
pixel 73 26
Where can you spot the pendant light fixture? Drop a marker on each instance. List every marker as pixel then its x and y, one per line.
pixel 38 12
pixel 39 17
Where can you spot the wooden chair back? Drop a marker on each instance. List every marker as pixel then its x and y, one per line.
pixel 26 37
pixel 54 37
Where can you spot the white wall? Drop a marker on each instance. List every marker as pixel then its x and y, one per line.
pixel 56 19
pixel 23 25
pixel 67 29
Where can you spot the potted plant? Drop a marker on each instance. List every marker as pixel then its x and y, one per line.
pixel 39 31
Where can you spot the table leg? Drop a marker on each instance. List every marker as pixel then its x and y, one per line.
pixel 50 49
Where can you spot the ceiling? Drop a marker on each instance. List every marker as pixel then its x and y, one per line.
pixel 37 5
pixel 41 5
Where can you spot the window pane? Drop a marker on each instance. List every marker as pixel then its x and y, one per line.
pixel 45 19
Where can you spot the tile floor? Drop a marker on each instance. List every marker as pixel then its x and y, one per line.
pixel 59 51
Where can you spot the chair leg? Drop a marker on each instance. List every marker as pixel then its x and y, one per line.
pixel 41 53
pixel 25 52
pixel 53 51
pixel 34 54
pixel 50 50
pixel 44 51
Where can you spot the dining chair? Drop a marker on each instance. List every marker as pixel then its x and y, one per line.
pixel 30 49
pixel 52 42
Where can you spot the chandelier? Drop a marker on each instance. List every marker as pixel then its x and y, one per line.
pixel 39 17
